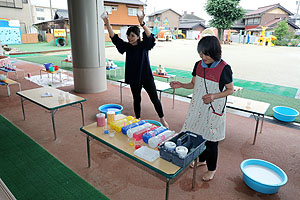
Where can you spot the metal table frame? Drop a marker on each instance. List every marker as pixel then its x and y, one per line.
pixel 91 136
pixel 52 110
pixel 123 84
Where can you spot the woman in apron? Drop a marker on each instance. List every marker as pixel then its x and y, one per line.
pixel 212 83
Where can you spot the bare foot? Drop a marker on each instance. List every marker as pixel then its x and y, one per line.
pixel 198 164
pixel 164 123
pixel 209 175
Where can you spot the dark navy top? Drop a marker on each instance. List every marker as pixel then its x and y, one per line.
pixel 137 64
pixel 226 76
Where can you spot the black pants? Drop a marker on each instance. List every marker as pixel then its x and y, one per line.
pixel 210 155
pixel 150 88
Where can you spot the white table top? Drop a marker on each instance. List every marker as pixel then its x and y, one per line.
pixel 52 102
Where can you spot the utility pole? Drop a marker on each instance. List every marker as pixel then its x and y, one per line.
pixel 51 10
pixel 298 3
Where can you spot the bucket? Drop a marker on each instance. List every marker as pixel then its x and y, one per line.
pixel 47 65
pixel 55 67
pixel 51 69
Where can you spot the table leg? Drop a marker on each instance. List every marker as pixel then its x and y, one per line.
pixel 22 104
pixel 121 92
pixel 173 98
pixel 8 89
pixel 82 116
pixel 256 127
pixel 52 78
pixel 40 74
pixel 53 123
pixel 60 76
pixel 16 75
pixel 88 150
pixel 167 189
pixel 262 123
pixel 194 173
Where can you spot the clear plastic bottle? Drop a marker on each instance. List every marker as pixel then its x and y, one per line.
pixel 156 140
pixel 131 131
pixel 153 133
pixel 130 126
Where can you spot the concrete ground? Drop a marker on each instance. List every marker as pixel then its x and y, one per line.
pixel 120 178
pixel 274 65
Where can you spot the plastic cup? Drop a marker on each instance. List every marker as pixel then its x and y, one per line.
pixel 138 143
pixel 111 133
pixel 67 94
pixel 110 116
pixel 131 141
pixel 100 119
pixel 248 106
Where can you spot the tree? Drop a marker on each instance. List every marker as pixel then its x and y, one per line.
pixel 224 13
pixel 282 30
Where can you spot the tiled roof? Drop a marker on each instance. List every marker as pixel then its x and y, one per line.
pixel 162 11
pixel 190 25
pixel 264 9
pixel 135 2
pixel 190 17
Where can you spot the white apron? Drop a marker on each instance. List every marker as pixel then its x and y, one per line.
pixel 200 118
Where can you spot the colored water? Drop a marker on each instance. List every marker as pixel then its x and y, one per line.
pixel 111 109
pixel 262 174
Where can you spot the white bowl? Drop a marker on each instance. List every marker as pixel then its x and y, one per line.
pixel 2 77
pixel 170 145
pixel 181 151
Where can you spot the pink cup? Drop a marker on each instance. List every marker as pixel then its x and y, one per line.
pixel 100 119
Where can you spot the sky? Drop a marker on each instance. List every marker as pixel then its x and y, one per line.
pixel 196 6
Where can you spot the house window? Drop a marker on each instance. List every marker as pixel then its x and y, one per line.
pixel 132 11
pixel 25 1
pixel 256 20
pixel 7 3
pixel 108 9
pixel 114 8
pixel 39 9
pixel 40 18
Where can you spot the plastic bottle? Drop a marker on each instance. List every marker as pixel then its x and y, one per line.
pixel 131 131
pixel 156 140
pixel 118 124
pixel 126 128
pixel 153 133
pixel 139 134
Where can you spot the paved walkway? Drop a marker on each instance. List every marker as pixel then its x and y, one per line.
pixel 275 65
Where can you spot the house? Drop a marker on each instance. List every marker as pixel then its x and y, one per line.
pixel 191 22
pixel 17 10
pixel 164 18
pixel 122 13
pixel 267 16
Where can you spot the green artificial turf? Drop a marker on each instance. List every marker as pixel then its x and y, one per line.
pixel 30 172
pixel 274 94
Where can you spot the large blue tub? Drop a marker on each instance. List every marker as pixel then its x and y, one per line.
pixel 284 113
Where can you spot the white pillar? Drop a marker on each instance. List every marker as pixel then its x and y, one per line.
pixel 88 45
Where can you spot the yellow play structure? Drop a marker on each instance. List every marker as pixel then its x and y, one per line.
pixel 266 41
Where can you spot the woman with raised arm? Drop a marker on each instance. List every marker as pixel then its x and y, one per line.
pixel 138 73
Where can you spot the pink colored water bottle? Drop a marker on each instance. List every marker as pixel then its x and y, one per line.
pixel 100 119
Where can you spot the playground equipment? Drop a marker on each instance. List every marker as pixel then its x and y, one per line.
pixel 266 41
pixel 165 35
pixel 60 37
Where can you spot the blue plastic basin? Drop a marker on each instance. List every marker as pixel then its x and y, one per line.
pixel 284 113
pixel 154 122
pixel 263 176
pixel 111 107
